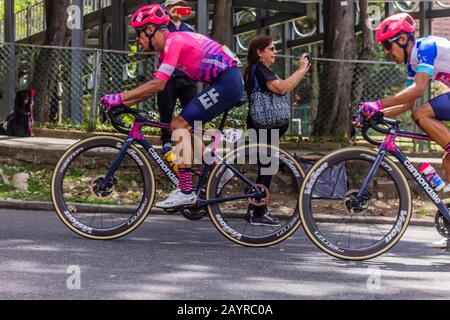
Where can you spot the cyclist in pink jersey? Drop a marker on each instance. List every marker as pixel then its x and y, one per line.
pixel 201 59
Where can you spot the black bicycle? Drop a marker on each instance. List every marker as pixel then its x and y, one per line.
pixel 104 187
pixel 371 215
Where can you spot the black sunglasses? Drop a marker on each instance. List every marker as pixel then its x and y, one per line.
pixel 138 33
pixel 388 43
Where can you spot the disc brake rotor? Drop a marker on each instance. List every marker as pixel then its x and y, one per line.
pixel 102 192
pixel 353 205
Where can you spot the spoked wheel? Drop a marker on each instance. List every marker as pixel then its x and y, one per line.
pixel 276 179
pixel 349 225
pixel 99 208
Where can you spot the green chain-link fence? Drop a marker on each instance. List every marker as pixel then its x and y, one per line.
pixel 77 78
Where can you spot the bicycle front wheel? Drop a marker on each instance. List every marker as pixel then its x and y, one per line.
pixel 344 225
pixel 277 174
pixel 95 209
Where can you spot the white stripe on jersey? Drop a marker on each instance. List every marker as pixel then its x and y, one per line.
pixel 166 69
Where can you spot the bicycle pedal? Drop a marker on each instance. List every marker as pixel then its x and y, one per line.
pixel 179 208
pixel 170 211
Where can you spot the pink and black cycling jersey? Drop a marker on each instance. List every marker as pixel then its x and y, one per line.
pixel 196 55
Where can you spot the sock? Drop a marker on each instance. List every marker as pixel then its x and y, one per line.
pixel 447 148
pixel 185 180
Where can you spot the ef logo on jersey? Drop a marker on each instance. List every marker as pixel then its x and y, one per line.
pixel 209 98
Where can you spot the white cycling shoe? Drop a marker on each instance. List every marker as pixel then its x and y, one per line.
pixel 440 244
pixel 177 199
pixel 446 189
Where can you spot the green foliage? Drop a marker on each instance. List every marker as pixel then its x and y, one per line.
pixel 38 183
pixel 18 5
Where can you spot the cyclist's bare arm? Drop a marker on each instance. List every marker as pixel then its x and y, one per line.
pixel 409 95
pixel 144 92
pixel 398 110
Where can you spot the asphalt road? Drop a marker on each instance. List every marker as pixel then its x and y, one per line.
pixel 169 257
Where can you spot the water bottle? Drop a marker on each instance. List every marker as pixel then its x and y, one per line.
pixel 170 157
pixel 431 176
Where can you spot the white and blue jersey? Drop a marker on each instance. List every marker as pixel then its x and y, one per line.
pixel 430 55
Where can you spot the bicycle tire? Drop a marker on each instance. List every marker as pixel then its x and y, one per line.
pixel 66 211
pixel 273 236
pixel 328 243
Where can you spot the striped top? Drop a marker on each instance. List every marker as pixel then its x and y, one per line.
pixel 196 55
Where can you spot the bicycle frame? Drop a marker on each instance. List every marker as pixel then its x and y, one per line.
pixel 136 135
pixel 389 146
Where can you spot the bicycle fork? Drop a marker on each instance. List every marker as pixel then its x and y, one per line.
pixel 116 163
pixel 372 172
pixel 387 145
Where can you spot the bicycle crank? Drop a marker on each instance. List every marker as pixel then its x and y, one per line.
pixel 441 224
pixel 264 201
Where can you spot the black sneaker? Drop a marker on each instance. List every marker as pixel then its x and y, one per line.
pixel 265 220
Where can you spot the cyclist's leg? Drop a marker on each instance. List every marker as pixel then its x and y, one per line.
pixel 186 91
pixel 184 194
pixel 225 92
pixel 166 106
pixel 429 117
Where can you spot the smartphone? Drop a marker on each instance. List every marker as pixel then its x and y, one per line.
pixel 184 11
pixel 309 57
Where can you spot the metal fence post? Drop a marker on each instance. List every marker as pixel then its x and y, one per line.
pixel 9 86
pixel 28 23
pixel 95 91
pixel 77 65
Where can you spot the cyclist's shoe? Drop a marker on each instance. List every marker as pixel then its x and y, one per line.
pixel 440 244
pixel 446 189
pixel 177 199
pixel 267 219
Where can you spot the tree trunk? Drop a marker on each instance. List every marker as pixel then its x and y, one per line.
pixel 44 82
pixel 222 30
pixel 315 89
pixel 362 70
pixel 333 117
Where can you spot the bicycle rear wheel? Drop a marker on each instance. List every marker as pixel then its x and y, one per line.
pixel 102 211
pixel 235 218
pixel 341 225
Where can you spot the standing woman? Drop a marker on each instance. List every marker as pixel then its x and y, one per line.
pixel 258 76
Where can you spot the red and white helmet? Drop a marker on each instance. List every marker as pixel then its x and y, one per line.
pixel 393 25
pixel 150 14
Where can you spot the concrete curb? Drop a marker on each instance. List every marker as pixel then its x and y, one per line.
pixel 37 206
